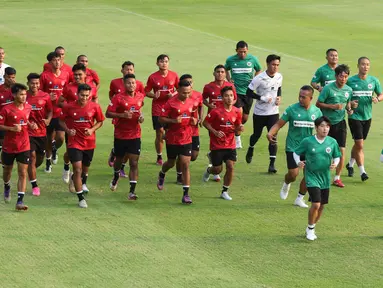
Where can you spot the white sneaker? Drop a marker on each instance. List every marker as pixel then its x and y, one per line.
pixel 284 191
pixel 49 170
pixel 66 176
pixel 55 160
pixel 72 189
pixel 226 196
pixel 112 187
pixel 310 234
pixel 85 188
pixel 206 176
pixel 82 204
pixel 216 178
pixel 238 142
pixel 300 202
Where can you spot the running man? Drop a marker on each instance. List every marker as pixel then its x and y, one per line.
pixel 326 73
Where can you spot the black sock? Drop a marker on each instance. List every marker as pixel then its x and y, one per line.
pixel 116 176
pixel 272 160
pixel 66 166
pixel 1 147
pixel 48 162
pixel 300 193
pixel 7 186
pixel 123 166
pixel 54 153
pixel 132 186
pixel 186 190
pixel 224 188
pixel 162 174
pixel 84 177
pixel 80 195
pixel 34 183
pixel 20 196
pixel 179 175
pixel 54 145
pixel 159 156
pixel 112 153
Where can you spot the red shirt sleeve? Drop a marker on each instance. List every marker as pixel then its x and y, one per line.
pixel 42 82
pixel 64 113
pixel 66 90
pixel 141 88
pixel 205 92
pixel 166 110
pixel 176 81
pixel 111 89
pixel 149 85
pixel 238 121
pixel 210 117
pixel 99 116
pixel 112 107
pixel 3 116
pixel 94 93
pixel 48 105
pixel 234 91
pixel 94 74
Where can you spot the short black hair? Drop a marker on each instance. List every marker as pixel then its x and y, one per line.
pixel 225 89
pixel 127 63
pixel 186 76
pixel 9 71
pixel 33 76
pixel 129 76
pixel 79 66
pixel 18 87
pixel 83 87
pixel 162 57
pixel 52 55
pixel 219 66
pixel 79 56
pixel 59 48
pixel 272 57
pixel 362 58
pixel 308 88
pixel 331 50
pixel 184 83
pixel 321 119
pixel 241 44
pixel 342 68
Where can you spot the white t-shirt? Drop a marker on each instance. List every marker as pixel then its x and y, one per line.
pixel 267 87
pixel 2 68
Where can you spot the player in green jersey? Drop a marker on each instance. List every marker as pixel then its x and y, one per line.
pixel 334 100
pixel 363 88
pixel 326 73
pixel 321 154
pixel 301 117
pixel 240 70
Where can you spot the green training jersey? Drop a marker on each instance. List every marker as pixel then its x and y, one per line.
pixel 242 71
pixel 324 75
pixel 363 90
pixel 331 94
pixel 301 124
pixel 319 157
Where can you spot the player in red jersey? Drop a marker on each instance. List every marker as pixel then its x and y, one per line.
pixel 198 109
pixel 53 81
pixel 179 116
pixel 41 115
pixel 80 120
pixel 125 109
pixel 117 87
pixel 91 75
pixel 6 96
pixel 59 50
pixel 223 123
pixel 163 83
pixel 14 120
pixel 70 95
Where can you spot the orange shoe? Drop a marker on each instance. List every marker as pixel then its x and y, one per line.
pixel 338 183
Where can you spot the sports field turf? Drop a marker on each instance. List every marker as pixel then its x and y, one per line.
pixel 256 240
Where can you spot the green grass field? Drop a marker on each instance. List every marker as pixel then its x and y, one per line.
pixel 256 240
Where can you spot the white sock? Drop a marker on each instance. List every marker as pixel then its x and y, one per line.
pixel 285 186
pixel 351 163
pixel 300 196
pixel 311 226
pixel 337 177
pixel 361 169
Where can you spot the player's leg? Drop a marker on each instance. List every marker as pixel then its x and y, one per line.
pixel 359 144
pixel 273 147
pixel 122 170
pixel 290 176
pixel 22 171
pixel 120 150
pixel 356 132
pixel 111 158
pixel 159 141
pixel 258 124
pixel 75 184
pixel 239 104
pixel 324 200
pixel 179 171
pixel 195 148
pixel 133 156
pixel 216 158
pixel 172 151
pixel 7 160
pixel 58 142
pixel 66 169
pixel 185 157
pixel 315 197
pixel 48 150
pixel 32 173
pixel 339 132
pixel 84 175
pixel 228 179
pixel 247 103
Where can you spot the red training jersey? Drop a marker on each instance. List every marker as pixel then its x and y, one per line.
pixel 41 105
pixel 80 118
pixel 197 103
pixel 226 121
pixel 6 96
pixel 127 128
pixel 91 77
pixel 65 67
pixel 15 142
pixel 117 86
pixel 212 91
pixel 165 84
pixel 70 92
pixel 179 133
pixel 50 83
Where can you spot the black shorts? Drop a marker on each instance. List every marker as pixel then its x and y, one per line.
pixel 156 123
pixel 85 156
pixel 195 143
pixel 261 121
pixel 22 157
pixel 359 129
pixel 290 160
pixel 38 144
pixel 339 133
pixel 2 134
pixel 173 151
pixel 244 102
pixel 220 156
pixel 131 146
pixel 318 195
pixel 54 125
